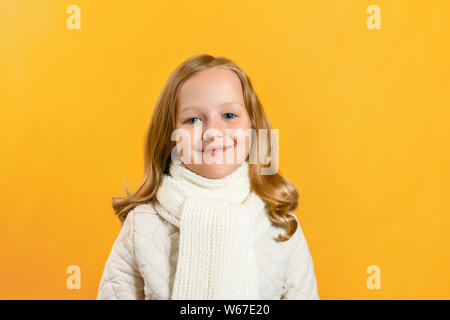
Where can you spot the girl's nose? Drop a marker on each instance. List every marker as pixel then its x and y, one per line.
pixel 212 130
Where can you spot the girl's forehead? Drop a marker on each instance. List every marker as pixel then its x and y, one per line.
pixel 210 87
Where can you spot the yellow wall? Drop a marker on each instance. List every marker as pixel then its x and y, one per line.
pixel 363 117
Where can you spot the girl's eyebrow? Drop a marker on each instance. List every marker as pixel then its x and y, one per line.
pixel 230 103
pixel 220 105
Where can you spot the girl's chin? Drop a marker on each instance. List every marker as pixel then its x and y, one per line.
pixel 213 171
pixel 213 160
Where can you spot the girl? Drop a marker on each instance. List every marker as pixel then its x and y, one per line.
pixel 205 223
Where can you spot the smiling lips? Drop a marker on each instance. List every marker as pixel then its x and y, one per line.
pixel 216 149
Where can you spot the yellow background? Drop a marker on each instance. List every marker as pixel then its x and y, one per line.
pixel 363 117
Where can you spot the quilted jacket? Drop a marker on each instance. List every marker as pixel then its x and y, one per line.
pixel 143 260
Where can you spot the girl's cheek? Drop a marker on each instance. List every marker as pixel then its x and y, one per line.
pixel 187 140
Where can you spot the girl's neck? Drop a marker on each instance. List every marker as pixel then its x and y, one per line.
pixel 234 187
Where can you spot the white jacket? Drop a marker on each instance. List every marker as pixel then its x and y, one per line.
pixel 143 260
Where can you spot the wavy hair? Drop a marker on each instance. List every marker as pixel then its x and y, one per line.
pixel 278 193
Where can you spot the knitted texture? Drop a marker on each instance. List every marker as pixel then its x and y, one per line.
pixel 220 221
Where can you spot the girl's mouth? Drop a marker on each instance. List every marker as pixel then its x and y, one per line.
pixel 217 150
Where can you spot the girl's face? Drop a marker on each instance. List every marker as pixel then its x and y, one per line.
pixel 212 118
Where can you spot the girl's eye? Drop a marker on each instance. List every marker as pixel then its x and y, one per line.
pixel 190 122
pixel 232 114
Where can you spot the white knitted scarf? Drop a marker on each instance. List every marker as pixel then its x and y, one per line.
pixel 220 221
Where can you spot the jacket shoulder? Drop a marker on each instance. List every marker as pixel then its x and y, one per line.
pixel 148 221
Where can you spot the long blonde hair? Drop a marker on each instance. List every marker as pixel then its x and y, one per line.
pixel 276 191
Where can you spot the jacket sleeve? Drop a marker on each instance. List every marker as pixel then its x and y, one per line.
pixel 300 281
pixel 121 279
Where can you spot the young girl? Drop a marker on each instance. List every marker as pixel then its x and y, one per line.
pixel 209 229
